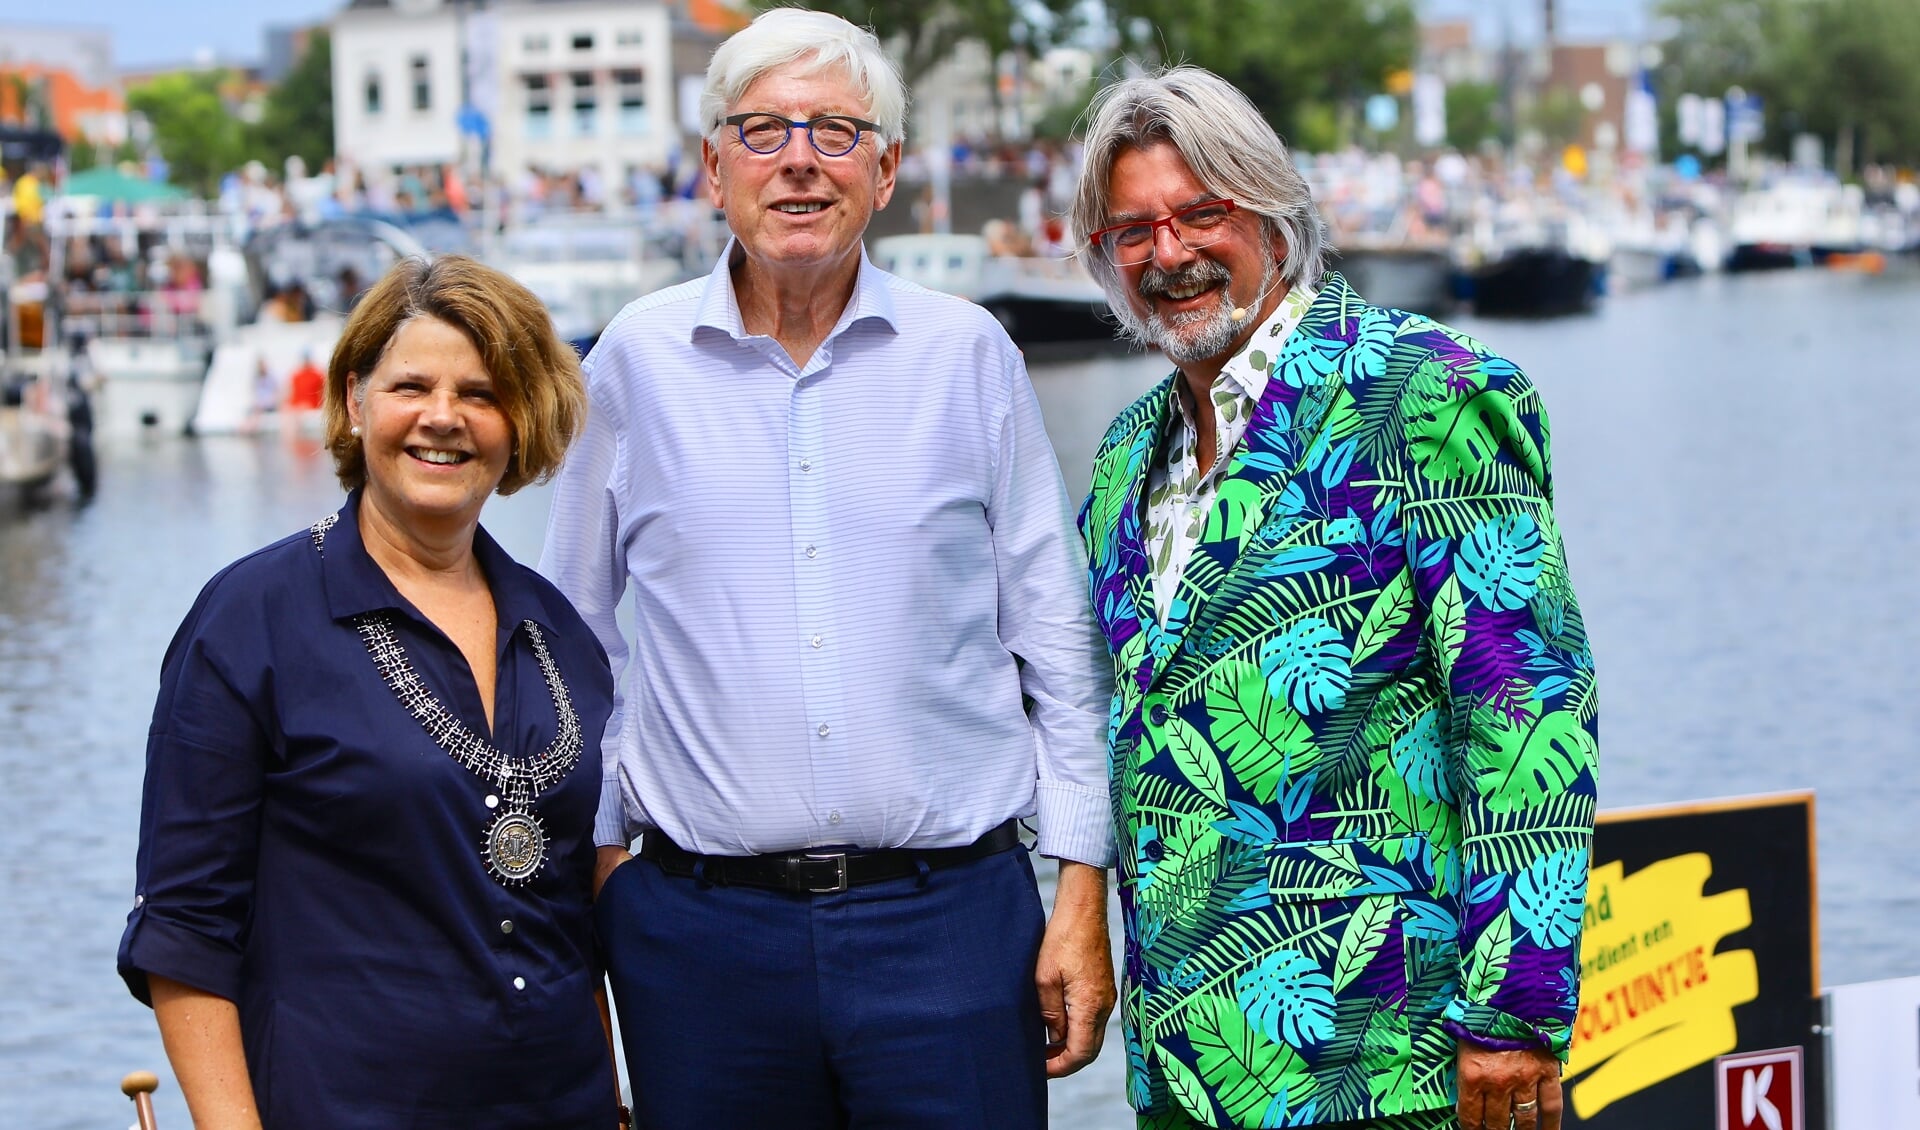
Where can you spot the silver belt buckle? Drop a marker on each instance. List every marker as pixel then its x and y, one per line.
pixel 839 858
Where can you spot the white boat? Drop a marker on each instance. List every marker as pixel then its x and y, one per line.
pixel 1035 299
pixel 149 345
pixel 1795 221
pixel 33 420
pixel 318 257
pixel 231 399
pixel 585 267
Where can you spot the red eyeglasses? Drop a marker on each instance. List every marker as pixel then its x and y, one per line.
pixel 1197 226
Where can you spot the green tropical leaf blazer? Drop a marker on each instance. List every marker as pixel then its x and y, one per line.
pixel 1354 773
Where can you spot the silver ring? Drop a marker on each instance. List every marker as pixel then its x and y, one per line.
pixel 1526 1107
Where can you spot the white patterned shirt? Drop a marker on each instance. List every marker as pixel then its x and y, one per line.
pixel 860 610
pixel 1179 497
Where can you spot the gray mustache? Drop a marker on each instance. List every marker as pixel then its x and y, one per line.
pixel 1154 281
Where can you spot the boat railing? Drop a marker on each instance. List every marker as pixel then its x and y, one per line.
pixel 172 314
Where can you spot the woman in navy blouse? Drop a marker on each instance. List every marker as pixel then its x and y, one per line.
pixel 366 837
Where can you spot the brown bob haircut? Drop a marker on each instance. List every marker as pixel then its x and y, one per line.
pixel 536 376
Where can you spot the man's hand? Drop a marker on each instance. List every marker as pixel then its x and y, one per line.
pixel 605 859
pixel 1496 1087
pixel 1075 970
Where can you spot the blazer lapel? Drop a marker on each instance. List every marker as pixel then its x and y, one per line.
pixel 1286 436
pixel 1124 593
pixel 1135 562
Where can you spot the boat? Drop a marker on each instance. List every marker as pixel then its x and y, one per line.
pixel 585 267
pixel 1534 265
pixel 1538 281
pixel 1796 221
pixel 1036 300
pixel 161 289
pixel 46 425
pixel 327 262
pixel 1400 276
pixel 30 434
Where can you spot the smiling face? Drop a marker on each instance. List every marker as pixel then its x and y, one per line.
pixel 1183 300
pixel 435 438
pixel 796 212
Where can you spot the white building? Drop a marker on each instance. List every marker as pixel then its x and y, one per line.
pixel 397 83
pixel 584 83
pixel 562 85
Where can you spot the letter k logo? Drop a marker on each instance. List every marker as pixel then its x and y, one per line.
pixel 1754 1086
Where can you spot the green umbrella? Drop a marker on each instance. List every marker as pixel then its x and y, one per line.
pixel 112 184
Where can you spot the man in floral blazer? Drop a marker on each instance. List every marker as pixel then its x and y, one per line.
pixel 1354 745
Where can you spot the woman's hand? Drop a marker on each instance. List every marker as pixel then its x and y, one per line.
pixel 604 861
pixel 201 1033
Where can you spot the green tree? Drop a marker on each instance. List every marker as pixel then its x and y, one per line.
pixel 1307 66
pixel 1860 85
pixel 298 116
pixel 1473 114
pixel 192 127
pixel 1838 68
pixel 926 32
pixel 1558 116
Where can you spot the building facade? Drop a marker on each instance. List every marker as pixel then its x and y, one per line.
pixel 584 85
pixel 547 86
pixel 397 83
pixel 62 79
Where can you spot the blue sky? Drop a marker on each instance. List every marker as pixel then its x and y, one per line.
pixel 148 32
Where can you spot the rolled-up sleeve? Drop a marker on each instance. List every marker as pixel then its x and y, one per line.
pixel 1045 619
pixel 207 754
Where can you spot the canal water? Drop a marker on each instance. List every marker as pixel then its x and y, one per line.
pixel 1735 477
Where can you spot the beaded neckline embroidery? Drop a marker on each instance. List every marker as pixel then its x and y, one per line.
pixel 515 844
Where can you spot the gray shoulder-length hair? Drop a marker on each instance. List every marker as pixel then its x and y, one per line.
pixel 784 36
pixel 1223 139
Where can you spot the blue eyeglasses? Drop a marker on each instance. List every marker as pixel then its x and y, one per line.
pixel 832 135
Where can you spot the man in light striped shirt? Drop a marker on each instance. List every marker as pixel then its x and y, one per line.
pixel 862 649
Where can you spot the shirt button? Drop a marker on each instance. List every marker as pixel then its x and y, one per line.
pixel 812 552
pixel 806 464
pixel 493 801
pixel 519 984
pixel 139 900
pixel 834 817
pixel 506 925
pixel 825 729
pixel 817 641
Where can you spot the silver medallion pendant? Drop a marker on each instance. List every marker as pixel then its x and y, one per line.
pixel 516 847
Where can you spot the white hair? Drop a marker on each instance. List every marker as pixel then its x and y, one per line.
pixel 1226 143
pixel 783 37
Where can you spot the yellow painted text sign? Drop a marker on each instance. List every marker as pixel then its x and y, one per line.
pixel 1655 999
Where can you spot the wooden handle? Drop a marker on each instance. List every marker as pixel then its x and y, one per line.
pixel 139 1086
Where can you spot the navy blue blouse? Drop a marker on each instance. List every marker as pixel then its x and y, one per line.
pixel 308 852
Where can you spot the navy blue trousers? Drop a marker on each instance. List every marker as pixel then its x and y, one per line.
pixel 907 1003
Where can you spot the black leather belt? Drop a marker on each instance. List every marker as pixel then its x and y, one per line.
pixel 818 872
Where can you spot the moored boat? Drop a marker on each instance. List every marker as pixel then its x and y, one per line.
pixel 1037 300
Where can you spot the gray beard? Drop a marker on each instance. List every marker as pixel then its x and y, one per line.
pixel 1196 335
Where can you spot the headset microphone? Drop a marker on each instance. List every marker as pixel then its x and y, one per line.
pixel 1239 313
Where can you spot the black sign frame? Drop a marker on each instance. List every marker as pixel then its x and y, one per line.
pixel 1764 845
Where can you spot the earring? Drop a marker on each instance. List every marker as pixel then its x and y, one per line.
pixel 354 430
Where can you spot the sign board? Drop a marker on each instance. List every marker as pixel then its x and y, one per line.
pixel 1760 1091
pixel 1699 943
pixel 1383 113
pixel 1874 1054
pixel 1429 109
